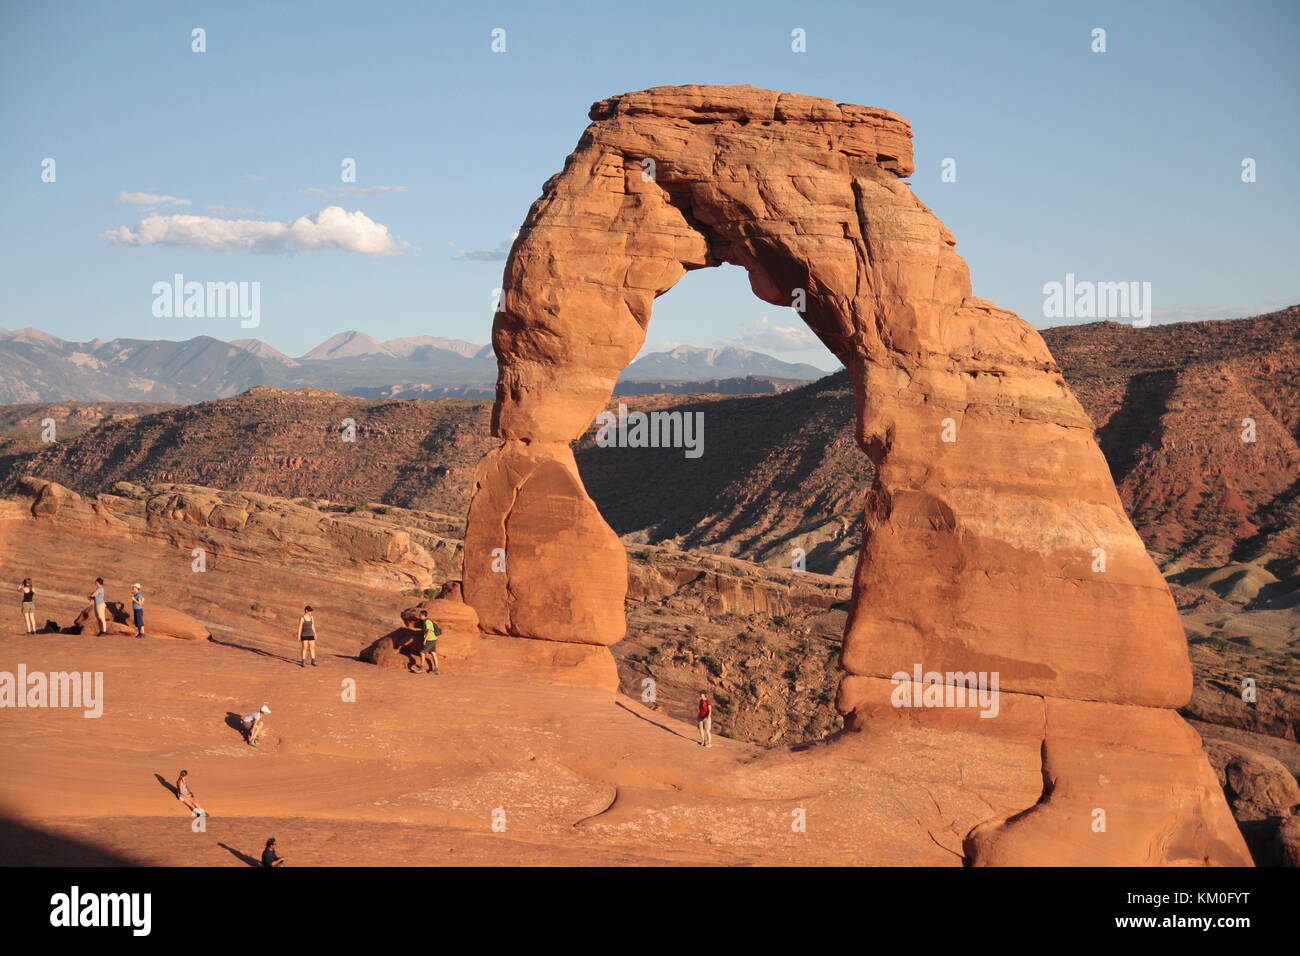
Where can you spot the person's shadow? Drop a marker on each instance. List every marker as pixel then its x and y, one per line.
pixel 653 722
pixel 254 650
pixel 170 788
pixel 244 857
pixel 236 722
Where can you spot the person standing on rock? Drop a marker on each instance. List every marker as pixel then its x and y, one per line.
pixel 101 609
pixel 183 792
pixel 705 717
pixel 137 609
pixel 255 724
pixel 307 636
pixel 428 659
pixel 29 605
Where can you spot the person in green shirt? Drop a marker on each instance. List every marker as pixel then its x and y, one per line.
pixel 427 662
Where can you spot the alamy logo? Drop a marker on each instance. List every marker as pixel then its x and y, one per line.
pixel 75 908
pixel 1098 300
pixel 651 430
pixel 179 299
pixel 72 689
pixel 951 689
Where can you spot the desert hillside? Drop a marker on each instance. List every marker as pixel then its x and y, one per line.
pixel 1173 406
pixel 780 471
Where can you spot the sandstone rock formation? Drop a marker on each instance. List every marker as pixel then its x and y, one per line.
pixel 457 621
pixel 115 618
pixel 994 539
pixel 242 527
pixel 1265 800
pixel 159 622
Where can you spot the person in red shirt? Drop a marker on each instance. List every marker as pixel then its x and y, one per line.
pixel 706 720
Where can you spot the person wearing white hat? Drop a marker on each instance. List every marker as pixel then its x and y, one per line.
pixel 255 724
pixel 137 609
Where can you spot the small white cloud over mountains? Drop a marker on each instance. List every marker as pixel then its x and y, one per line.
pixel 150 199
pixel 338 192
pixel 499 254
pixel 331 228
pixel 779 338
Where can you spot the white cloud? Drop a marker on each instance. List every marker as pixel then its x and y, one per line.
pixel 150 199
pixel 499 254
pixel 253 178
pixel 338 192
pixel 1202 313
pixel 331 228
pixel 779 338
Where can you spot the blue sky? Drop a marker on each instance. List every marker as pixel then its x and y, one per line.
pixel 1123 165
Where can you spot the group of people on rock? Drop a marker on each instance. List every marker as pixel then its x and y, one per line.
pixel 27 604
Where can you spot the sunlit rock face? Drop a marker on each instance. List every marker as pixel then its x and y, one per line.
pixel 994 542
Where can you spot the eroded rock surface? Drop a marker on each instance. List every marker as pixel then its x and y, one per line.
pixel 994 539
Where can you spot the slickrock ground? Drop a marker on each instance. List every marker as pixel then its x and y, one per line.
pixel 764 642
pixel 412 771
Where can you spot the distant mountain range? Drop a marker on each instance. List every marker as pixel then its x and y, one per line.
pixel 686 363
pixel 38 367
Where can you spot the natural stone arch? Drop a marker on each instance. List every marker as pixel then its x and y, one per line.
pixel 978 554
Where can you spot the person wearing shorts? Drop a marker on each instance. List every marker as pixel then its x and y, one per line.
pixel 427 662
pixel 28 605
pixel 101 608
pixel 307 636
pixel 183 792
pixel 705 717
pixel 137 609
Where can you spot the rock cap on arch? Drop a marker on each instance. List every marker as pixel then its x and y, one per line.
pixel 868 131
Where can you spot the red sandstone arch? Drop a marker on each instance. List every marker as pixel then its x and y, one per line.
pixel 978 554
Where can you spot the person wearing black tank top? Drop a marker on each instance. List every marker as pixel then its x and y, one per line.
pixel 29 605
pixel 307 636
